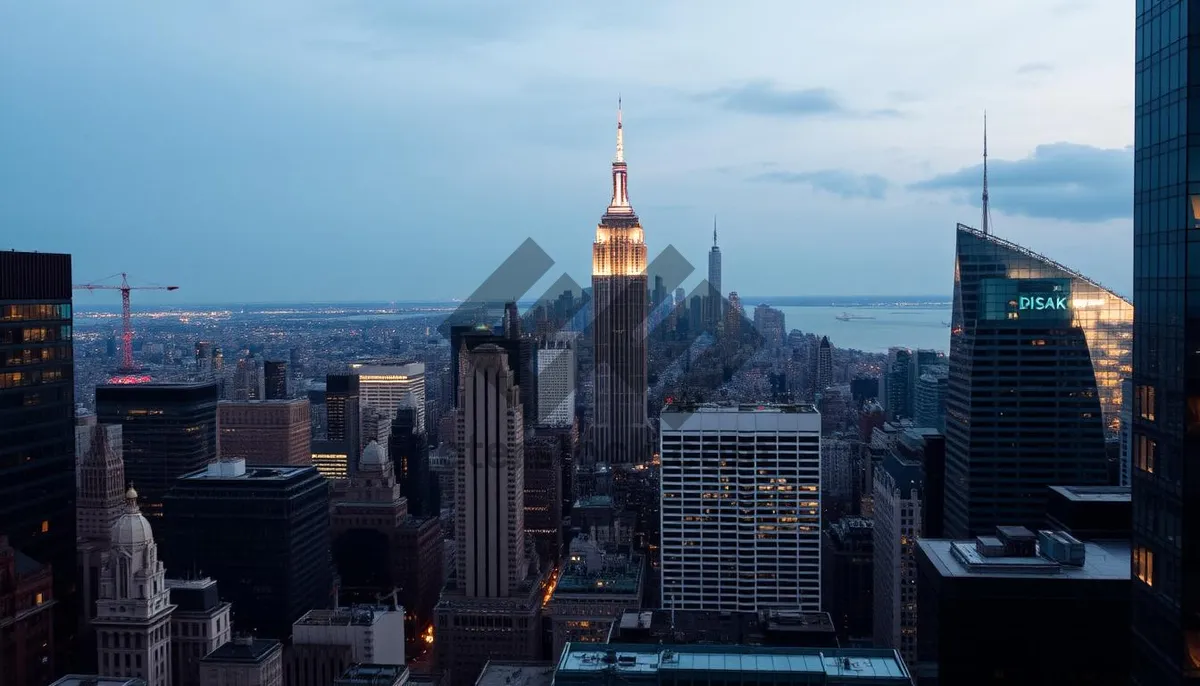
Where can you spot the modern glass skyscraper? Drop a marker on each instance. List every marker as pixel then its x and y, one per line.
pixel 37 424
pixel 1166 355
pixel 620 307
pixel 1037 354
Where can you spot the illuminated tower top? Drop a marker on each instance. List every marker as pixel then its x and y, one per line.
pixel 619 208
pixel 620 246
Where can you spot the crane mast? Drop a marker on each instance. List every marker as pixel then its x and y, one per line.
pixel 127 364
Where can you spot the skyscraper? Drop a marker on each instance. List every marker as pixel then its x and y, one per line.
pixel 1166 349
pixel 388 387
pixel 37 418
pixel 262 532
pixel 101 501
pixel 897 515
pixel 715 306
pixel 492 589
pixel 619 290
pixel 823 373
pixel 740 507
pixel 1036 359
pixel 168 430
pixel 267 432
pixel 275 378
pixel 556 380
pixel 897 383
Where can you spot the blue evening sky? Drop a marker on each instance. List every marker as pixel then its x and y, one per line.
pixel 287 150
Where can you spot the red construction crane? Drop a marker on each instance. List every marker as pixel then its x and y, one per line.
pixel 127 366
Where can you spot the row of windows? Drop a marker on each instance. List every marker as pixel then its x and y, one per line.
pixel 11 313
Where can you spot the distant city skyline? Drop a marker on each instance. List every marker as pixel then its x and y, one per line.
pixel 283 153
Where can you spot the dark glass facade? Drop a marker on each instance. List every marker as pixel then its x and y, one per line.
pixel 1037 354
pixel 263 534
pixel 168 430
pixel 275 380
pixel 1166 363
pixel 409 450
pixel 37 422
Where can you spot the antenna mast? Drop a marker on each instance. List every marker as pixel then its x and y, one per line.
pixel 987 214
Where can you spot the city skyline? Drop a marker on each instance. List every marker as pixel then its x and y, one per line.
pixel 307 151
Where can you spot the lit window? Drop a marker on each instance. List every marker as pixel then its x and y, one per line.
pixel 38 599
pixel 45 525
pixel 1143 565
pixel 1195 205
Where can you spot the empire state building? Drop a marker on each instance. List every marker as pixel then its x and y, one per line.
pixel 619 293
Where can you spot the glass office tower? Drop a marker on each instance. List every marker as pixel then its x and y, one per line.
pixel 1166 362
pixel 1037 354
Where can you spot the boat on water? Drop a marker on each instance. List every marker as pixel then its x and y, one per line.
pixel 946 324
pixel 847 317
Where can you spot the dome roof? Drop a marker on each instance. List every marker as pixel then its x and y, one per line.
pixel 131 530
pixel 372 456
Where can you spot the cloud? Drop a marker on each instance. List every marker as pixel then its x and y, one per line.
pixel 836 181
pixel 1065 181
pixel 1035 68
pixel 764 98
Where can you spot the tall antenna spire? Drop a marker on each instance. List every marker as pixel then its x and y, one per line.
pixel 986 212
pixel 714 230
pixel 620 135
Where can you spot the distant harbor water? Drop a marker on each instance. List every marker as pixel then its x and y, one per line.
pixel 913 326
pixel 850 322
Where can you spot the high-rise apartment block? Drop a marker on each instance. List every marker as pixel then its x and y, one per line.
pixel 265 432
pixel 37 416
pixel 620 429
pixel 741 510
pixel 168 430
pixel 1037 355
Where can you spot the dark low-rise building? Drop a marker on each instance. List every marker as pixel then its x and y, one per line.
pixel 1090 512
pixel 1019 608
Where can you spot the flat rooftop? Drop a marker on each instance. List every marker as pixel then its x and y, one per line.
pixel 248 473
pixel 594 501
pixel 1107 560
pixel 371 675
pixel 774 408
pixel 244 651
pixel 1095 494
pixel 712 626
pixel 614 579
pixel 516 674
pixel 89 680
pixel 803 665
pixel 191 584
pixel 731 417
pixel 346 616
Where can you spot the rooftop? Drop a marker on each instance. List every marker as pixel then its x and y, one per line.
pixel 711 626
pixel 594 501
pixel 1094 494
pixel 244 650
pixel 237 470
pixel 1108 560
pixel 372 675
pixel 516 674
pixel 359 615
pixel 742 407
pixel 613 577
pixel 91 680
pixel 680 661
pixel 191 584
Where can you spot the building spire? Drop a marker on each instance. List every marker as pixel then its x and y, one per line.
pixel 986 212
pixel 620 135
pixel 714 231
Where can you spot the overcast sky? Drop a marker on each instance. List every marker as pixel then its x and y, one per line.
pixel 286 150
